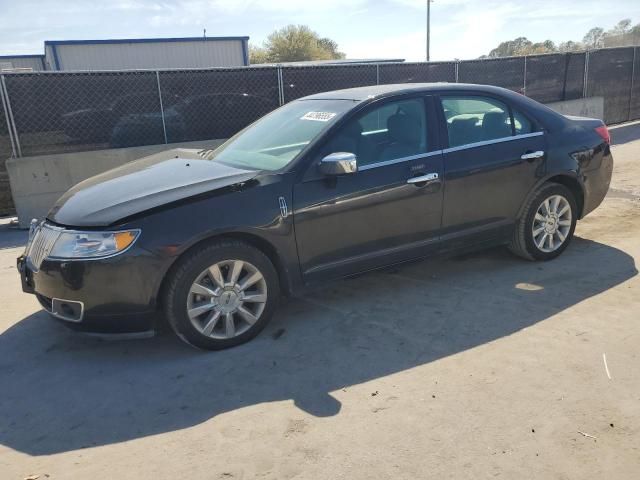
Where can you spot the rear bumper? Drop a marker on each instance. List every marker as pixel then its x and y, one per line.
pixel 108 296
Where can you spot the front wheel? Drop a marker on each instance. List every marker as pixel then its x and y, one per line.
pixel 221 295
pixel 547 224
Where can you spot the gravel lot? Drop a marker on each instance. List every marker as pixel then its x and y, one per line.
pixel 473 367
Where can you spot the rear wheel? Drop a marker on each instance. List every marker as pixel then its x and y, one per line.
pixel 547 225
pixel 221 295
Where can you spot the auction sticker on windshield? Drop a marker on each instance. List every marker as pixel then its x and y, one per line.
pixel 318 116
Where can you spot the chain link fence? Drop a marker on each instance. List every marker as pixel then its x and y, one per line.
pixel 212 104
pixel 6 150
pixel 299 82
pixel 59 112
pixel 555 78
pixel 610 75
pixel 501 72
pixel 417 72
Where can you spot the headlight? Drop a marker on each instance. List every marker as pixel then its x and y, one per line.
pixel 71 245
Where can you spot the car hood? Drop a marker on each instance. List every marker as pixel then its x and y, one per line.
pixel 141 185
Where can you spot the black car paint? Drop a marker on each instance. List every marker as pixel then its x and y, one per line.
pixel 335 226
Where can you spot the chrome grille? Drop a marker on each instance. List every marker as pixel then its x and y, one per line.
pixel 41 244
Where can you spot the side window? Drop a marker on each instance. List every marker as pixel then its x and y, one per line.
pixel 522 123
pixel 389 132
pixel 473 119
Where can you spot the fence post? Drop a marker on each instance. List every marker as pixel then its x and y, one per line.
pixel 633 74
pixel 280 86
pixel 524 78
pixel 457 64
pixel 11 123
pixel 6 117
pixel 164 126
pixel 377 74
pixel 586 74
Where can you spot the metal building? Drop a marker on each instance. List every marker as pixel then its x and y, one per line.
pixel 146 53
pixel 33 63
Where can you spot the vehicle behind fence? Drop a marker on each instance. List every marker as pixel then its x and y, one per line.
pixel 58 112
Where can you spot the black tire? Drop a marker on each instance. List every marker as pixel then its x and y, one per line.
pixel 187 271
pixel 523 243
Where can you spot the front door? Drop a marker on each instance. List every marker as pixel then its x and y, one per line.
pixel 389 210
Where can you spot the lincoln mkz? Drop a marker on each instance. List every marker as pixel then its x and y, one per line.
pixel 324 187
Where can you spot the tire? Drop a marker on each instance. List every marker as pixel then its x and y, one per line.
pixel 525 245
pixel 212 297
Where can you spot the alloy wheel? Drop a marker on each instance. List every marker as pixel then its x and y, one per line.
pixel 552 223
pixel 227 299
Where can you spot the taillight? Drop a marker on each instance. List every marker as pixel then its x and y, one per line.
pixel 603 131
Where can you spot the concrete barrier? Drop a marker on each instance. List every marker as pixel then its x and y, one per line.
pixel 581 107
pixel 37 182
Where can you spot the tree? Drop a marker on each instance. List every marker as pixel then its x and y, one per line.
pixel 570 46
pixel 623 33
pixel 541 47
pixel 594 38
pixel 522 46
pixel 331 46
pixel 258 55
pixel 295 43
pixel 622 27
pixel 510 47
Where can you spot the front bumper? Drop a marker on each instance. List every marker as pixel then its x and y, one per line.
pixel 114 295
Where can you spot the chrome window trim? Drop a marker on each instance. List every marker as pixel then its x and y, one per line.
pixel 490 142
pixel 399 160
pixel 447 150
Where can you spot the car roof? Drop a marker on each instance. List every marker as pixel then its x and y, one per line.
pixel 360 94
pixel 550 119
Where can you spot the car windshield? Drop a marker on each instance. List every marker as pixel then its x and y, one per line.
pixel 275 140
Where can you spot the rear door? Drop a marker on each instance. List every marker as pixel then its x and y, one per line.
pixel 494 154
pixel 380 214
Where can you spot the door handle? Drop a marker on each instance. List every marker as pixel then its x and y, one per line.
pixel 428 178
pixel 532 155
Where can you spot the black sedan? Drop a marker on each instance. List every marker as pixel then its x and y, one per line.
pixel 326 186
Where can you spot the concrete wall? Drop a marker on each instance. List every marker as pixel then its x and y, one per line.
pixel 581 107
pixel 37 182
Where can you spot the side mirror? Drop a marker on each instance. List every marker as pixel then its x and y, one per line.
pixel 340 163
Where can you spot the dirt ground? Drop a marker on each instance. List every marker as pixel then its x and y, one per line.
pixel 474 367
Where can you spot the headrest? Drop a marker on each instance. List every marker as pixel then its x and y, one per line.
pixel 495 121
pixel 404 128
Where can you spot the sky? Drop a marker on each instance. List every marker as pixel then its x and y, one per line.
pixel 363 28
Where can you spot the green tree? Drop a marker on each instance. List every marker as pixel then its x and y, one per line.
pixel 522 46
pixel 331 46
pixel 295 43
pixel 541 47
pixel 258 55
pixel 510 47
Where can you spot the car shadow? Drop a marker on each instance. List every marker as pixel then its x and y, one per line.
pixel 64 391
